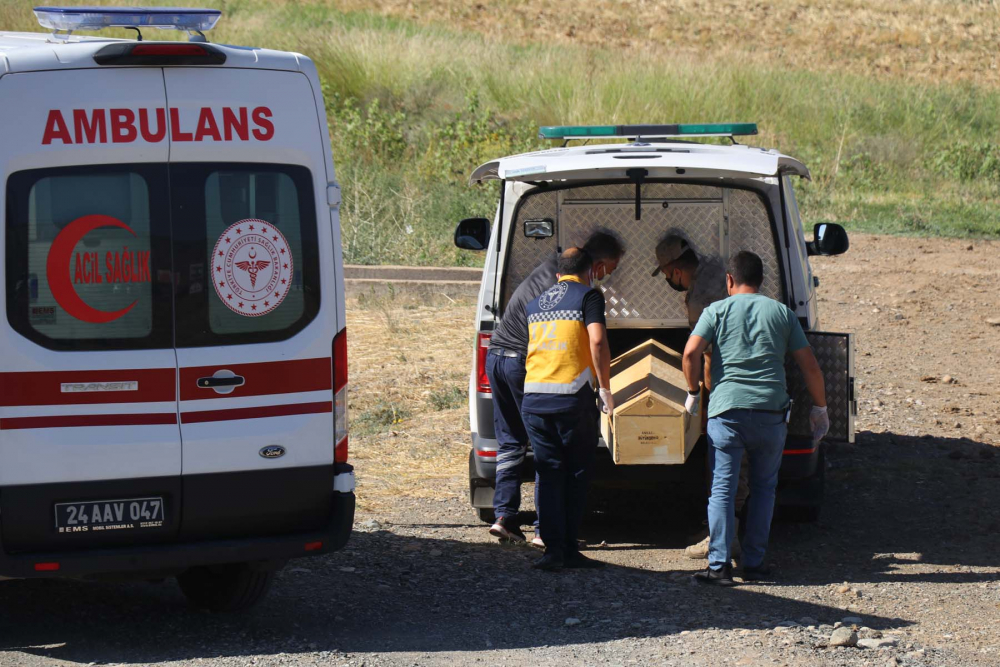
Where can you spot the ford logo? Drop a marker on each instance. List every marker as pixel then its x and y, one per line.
pixel 272 452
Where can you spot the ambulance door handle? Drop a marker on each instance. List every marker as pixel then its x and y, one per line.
pixel 222 382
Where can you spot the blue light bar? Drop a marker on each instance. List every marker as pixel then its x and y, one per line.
pixel 98 18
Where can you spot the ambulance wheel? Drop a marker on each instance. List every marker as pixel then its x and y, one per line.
pixel 486 514
pixel 231 587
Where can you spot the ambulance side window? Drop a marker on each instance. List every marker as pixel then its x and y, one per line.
pixel 245 248
pixel 87 257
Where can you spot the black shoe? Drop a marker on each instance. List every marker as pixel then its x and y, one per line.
pixel 760 573
pixel 550 562
pixel 720 577
pixel 506 528
pixel 577 560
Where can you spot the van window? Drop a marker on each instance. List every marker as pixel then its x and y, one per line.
pixel 246 252
pixel 88 264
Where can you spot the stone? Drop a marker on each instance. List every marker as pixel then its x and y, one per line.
pixel 808 620
pixel 873 643
pixel 843 589
pixel 947 379
pixel 852 620
pixel 995 321
pixel 788 624
pixel 572 620
pixel 436 552
pixel 370 525
pixel 843 637
pixel 347 569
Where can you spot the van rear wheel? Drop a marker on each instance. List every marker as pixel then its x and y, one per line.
pixel 230 587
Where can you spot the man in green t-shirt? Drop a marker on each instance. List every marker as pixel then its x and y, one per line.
pixel 751 335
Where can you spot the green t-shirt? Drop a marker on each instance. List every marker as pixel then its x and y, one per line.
pixel 751 335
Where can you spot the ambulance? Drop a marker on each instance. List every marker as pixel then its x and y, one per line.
pixel 173 360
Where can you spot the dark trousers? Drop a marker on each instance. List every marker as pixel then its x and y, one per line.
pixel 506 375
pixel 565 445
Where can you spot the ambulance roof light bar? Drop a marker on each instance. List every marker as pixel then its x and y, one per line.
pixel 684 130
pixel 69 19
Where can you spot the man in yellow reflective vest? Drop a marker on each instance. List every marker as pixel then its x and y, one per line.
pixel 567 351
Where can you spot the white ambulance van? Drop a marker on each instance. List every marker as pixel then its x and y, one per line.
pixel 173 360
pixel 640 182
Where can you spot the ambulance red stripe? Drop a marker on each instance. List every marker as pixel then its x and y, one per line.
pixel 261 379
pixel 45 387
pixel 256 413
pixel 70 421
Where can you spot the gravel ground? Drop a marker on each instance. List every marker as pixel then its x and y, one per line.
pixel 903 561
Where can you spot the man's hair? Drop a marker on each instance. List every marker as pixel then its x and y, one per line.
pixel 688 261
pixel 603 247
pixel 574 262
pixel 746 269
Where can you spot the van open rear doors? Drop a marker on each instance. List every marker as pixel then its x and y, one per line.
pixel 90 450
pixel 835 354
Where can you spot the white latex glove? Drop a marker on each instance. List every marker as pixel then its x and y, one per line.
pixel 819 423
pixel 607 401
pixel 692 403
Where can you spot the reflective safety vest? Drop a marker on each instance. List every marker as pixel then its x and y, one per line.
pixel 559 360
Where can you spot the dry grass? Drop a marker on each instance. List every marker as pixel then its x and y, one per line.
pixel 925 40
pixel 404 352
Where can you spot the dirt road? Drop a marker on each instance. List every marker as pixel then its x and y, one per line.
pixel 906 549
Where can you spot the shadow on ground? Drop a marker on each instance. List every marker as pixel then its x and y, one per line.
pixel 431 583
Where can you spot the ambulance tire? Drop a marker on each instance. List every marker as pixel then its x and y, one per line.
pixel 486 514
pixel 225 588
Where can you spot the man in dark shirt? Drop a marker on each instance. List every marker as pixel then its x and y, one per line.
pixel 505 370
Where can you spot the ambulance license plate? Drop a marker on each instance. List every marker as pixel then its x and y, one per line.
pixel 109 515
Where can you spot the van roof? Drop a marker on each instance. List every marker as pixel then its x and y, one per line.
pixel 659 159
pixel 34 51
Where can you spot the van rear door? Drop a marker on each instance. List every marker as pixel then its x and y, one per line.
pixel 835 354
pixel 255 323
pixel 90 451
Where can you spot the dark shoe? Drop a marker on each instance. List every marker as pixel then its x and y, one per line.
pixel 720 577
pixel 506 528
pixel 550 562
pixel 760 573
pixel 578 561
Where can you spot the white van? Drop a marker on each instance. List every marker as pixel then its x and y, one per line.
pixel 722 199
pixel 173 356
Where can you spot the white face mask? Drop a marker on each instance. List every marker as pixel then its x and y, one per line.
pixel 597 282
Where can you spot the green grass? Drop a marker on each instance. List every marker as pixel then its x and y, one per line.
pixel 413 110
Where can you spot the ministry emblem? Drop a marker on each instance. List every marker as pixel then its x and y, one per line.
pixel 252 267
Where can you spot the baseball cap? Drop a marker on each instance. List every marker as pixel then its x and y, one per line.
pixel 668 249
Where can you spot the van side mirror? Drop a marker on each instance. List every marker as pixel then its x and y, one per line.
pixel 472 234
pixel 829 239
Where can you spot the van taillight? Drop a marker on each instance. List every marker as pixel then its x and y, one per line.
pixel 340 397
pixel 159 53
pixel 482 381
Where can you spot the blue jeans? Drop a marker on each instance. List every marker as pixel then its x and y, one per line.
pixel 762 436
pixel 565 446
pixel 506 375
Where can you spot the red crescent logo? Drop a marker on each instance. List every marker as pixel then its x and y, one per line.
pixel 58 263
